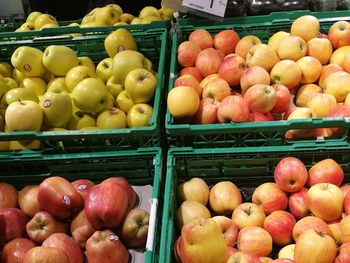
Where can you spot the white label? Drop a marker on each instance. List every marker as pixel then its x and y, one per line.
pixel 214 7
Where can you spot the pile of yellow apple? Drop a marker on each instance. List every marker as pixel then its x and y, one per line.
pixel 108 15
pixel 55 89
pixel 225 78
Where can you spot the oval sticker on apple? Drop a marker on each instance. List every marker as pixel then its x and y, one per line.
pixel 121 48
pixel 113 237
pixel 66 200
pixel 47 103
pixel 81 187
pixel 27 67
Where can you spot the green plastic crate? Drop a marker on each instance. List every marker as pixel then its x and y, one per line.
pixel 152 44
pixel 246 167
pixel 139 167
pixel 248 134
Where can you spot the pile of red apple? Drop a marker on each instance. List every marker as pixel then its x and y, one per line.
pixel 225 78
pixel 57 221
pixel 301 217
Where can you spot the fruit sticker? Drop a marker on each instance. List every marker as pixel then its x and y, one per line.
pixel 113 237
pixel 121 48
pixel 66 200
pixel 27 67
pixel 81 187
pixel 47 103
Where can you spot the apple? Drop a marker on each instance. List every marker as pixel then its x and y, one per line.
pixel 256 116
pixel 208 78
pixel 202 240
pixel 83 186
pixel 241 257
pixel 233 108
pixel 280 226
pixel 345 64
pixel 28 60
pixel 24 116
pixel 310 222
pixel 208 61
pixel 287 252
pixel 90 95
pixel 313 246
pixel 337 84
pixel 140 85
pixel 202 38
pixel 344 253
pixel 286 72
pixel 123 102
pixel 217 89
pixel 311 69
pixel 226 41
pixel 107 15
pixel 6 69
pixel 57 196
pixel 345 229
pixel 77 74
pixel 322 104
pixel 306 27
pixel 57 83
pixel 56 105
pixel 339 111
pixel 192 71
pixel 42 225
pixel 334 227
pixel 270 197
pixel 27 200
pixel 80 120
pixel 248 214
pixel 46 255
pixel 298 203
pixel 326 171
pixel 320 48
pixel 8 196
pixel 114 87
pixel 283 99
pixel 224 197
pixel 139 115
pixel 10 83
pixel 19 94
pixel 305 92
pixel 104 69
pixel 37 85
pixel 182 101
pixel 245 43
pixel 187 53
pixel 44 19
pixel 290 174
pixel 196 189
pixel 231 69
pixel 255 240
pixel 15 250
pixel 32 16
pixel 275 40
pixel 81 229
pixel 262 55
pixel 112 118
pixel 292 47
pixel 189 210
pixel 118 41
pixel 86 61
pixel 15 221
pixel 339 34
pixel 65 243
pixel 188 80
pixel 302 113
pixel 228 229
pixel 59 59
pixel 252 76
pixel 18 76
pixel 260 98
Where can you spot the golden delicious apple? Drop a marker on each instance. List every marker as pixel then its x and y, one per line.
pixel 90 95
pixel 148 11
pixel 104 69
pixel 150 19
pixel 107 15
pixel 33 16
pixel 37 85
pixel 139 115
pixel 77 74
pixel 110 101
pixel 118 41
pixel 183 101
pixel 306 27
pixel 114 87
pixel 20 94
pixel 116 7
pixel 18 76
pixel 50 25
pixel 189 210
pixel 90 17
pixel 21 145
pixel 44 19
pixel 136 21
pixel 127 18
pixel 58 83
pixel 11 83
pixel 111 119
pixel 6 69
pixel 29 61
pixel 123 102
pixel 24 115
pixel 140 85
pixel 86 61
pixel 80 120
pixel 59 59
pixel 25 27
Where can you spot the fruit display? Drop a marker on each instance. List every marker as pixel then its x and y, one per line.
pixel 230 75
pixel 256 206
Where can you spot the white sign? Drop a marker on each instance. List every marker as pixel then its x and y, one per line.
pixel 214 7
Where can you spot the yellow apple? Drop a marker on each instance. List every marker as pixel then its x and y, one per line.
pixel 111 119
pixel 123 102
pixel 11 83
pixel 338 85
pixel 182 101
pixel 150 19
pixel 104 69
pixel 3 88
pixel 320 48
pixel 245 43
pixel 139 115
pixel 302 113
pixel 116 7
pixel 148 11
pixel 58 83
pixel 86 61
pixel 286 72
pixel 110 101
pixel 21 145
pixel 140 85
pixel 114 87
pixel 311 69
pixel 81 120
pixel 292 47
pixel 275 39
pixel 90 17
pixel 50 25
pixel 29 61
pixel 77 74
pixel 20 94
pixel 44 19
pixel 59 59
pixel 119 40
pixel 326 71
pixel 6 69
pixel 120 24
pixel 304 94
pixel 166 11
pixel 33 16
pixel 287 252
pixel 25 27
pixel 339 55
pixel 18 76
pixel 322 103
pixel 127 18
pixel 306 27
pixel 262 55
pixel 107 15
pixel 136 20
pixel 37 85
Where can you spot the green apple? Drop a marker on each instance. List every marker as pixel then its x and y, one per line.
pixel 140 85
pixel 90 95
pixel 107 15
pixel 86 61
pixel 104 69
pixel 11 83
pixel 58 83
pixel 126 18
pixel 56 105
pixel 20 94
pixel 37 85
pixel 59 59
pixel 21 145
pixel 148 11
pixel 44 19
pixel 6 69
pixel 24 115
pixel 136 21
pixel 139 115
pixel 123 102
pixel 33 16
pixel 80 120
pixel 126 61
pixel 119 40
pixel 29 61
pixel 77 74
pixel 114 87
pixel 111 119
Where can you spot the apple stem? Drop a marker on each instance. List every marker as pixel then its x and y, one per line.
pixel 20 101
pixel 319 233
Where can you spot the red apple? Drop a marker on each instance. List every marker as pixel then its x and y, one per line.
pixel 207 112
pixel 339 111
pixel 192 71
pixel 106 204
pixel 252 76
pixel 105 246
pixel 310 222
pixel 298 204
pixel 256 116
pixel 46 255
pixel 265 260
pixel 233 108
pixel 83 186
pixel 346 189
pixel 134 228
pixel 327 71
pixel 255 240
pixel 280 226
pixel 248 214
pixel 320 48
pixel 339 34
pixel 2 231
pixel 187 53
pixel 230 250
pixel 228 228
pixel 261 98
pixel 81 229
pixel 15 223
pixel 42 225
pixel 290 174
pixel 224 197
pixel 15 250
pixel 326 171
pixel 202 38
pixel 226 41
pixel 188 80
pixel 283 99
pixel 241 257
pixel 270 197
pixel 232 68
pixel 246 43
pixel 217 89
pixel 28 200
pixel 344 254
pixel 8 196
pixel 59 197
pixel 68 245
pixel 208 61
